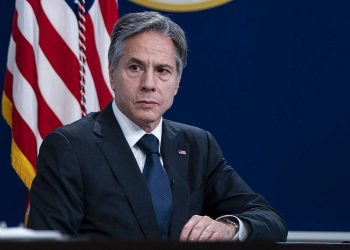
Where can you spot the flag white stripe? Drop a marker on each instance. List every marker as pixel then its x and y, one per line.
pixel 25 101
pixel 53 89
pixel 92 103
pixel 23 95
pixel 63 19
pixel 26 22
pixel 11 55
pixel 55 92
pixel 102 40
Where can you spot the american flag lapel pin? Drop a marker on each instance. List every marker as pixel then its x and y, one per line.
pixel 181 152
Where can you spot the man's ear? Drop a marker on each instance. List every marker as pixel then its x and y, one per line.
pixel 111 72
pixel 177 86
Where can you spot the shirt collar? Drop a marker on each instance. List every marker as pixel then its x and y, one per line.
pixel 131 131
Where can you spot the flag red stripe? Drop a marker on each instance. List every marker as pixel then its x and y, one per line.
pixel 8 84
pixel 62 59
pixel 25 60
pixel 93 60
pixel 24 137
pixel 8 81
pixel 110 14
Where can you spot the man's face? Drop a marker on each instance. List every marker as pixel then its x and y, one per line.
pixel 145 80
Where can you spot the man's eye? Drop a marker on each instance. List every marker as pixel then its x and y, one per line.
pixel 134 67
pixel 163 71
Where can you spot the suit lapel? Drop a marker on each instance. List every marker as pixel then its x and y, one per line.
pixel 119 156
pixel 175 155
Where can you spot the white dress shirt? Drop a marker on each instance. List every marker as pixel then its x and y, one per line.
pixel 133 134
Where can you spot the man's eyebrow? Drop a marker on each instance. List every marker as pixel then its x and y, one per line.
pixel 164 65
pixel 135 60
pixel 159 65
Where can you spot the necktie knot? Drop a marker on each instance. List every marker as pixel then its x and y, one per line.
pixel 149 144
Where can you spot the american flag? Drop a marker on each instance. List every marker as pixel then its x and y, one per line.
pixel 57 70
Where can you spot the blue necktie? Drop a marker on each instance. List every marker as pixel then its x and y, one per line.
pixel 157 181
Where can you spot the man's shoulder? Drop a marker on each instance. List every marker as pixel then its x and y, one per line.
pixel 87 128
pixel 182 126
pixel 82 122
pixel 184 129
pixel 79 127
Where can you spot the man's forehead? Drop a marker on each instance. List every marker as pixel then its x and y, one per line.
pixel 150 39
pixel 149 46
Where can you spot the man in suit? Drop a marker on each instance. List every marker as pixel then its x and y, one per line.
pixel 103 176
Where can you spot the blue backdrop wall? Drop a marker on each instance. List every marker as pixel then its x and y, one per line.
pixel 271 81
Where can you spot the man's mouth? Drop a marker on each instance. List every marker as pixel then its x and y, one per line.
pixel 147 103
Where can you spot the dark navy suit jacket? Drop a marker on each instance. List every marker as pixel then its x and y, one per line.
pixel 89 183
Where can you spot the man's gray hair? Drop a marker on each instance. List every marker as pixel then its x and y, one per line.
pixel 136 23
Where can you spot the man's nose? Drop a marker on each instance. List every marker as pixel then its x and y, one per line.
pixel 148 80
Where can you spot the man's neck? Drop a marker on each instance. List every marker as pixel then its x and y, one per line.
pixel 131 130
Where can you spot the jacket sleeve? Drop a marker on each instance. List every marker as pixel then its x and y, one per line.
pixel 56 196
pixel 226 193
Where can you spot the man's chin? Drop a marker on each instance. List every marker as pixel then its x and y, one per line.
pixel 147 121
